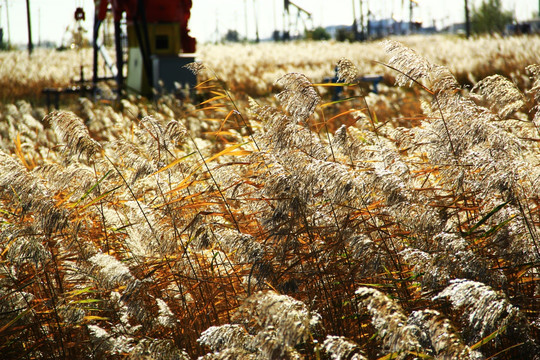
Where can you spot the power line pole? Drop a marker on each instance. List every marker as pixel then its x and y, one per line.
pixel 246 18
pixel 363 30
pixel 39 26
pixel 355 23
pixel 30 45
pixel 286 22
pixel 8 28
pixel 410 16
pixel 255 17
pixel 467 20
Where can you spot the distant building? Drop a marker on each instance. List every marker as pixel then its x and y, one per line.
pixel 383 27
pixel 376 29
pixel 525 27
pixel 457 28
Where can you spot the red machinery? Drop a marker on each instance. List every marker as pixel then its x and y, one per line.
pixel 158 41
pixel 156 11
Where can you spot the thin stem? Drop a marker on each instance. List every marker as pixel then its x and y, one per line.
pixel 216 184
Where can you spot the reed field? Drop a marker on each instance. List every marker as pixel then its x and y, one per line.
pixel 259 217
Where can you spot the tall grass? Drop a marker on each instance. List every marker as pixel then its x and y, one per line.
pixel 172 230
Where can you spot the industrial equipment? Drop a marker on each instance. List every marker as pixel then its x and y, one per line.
pixel 158 43
pixel 290 25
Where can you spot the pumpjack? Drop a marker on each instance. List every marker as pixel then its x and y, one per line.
pixel 291 25
pixel 158 44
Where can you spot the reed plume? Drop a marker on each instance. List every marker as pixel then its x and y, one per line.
pixel 298 96
pixel 347 71
pixel 437 334
pixel 387 317
pixel 485 311
pixel 71 129
pixel 280 323
pixel 499 94
pixel 340 348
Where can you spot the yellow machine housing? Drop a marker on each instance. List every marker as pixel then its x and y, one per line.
pixel 165 60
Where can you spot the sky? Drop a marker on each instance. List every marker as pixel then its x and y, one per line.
pixel 212 18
